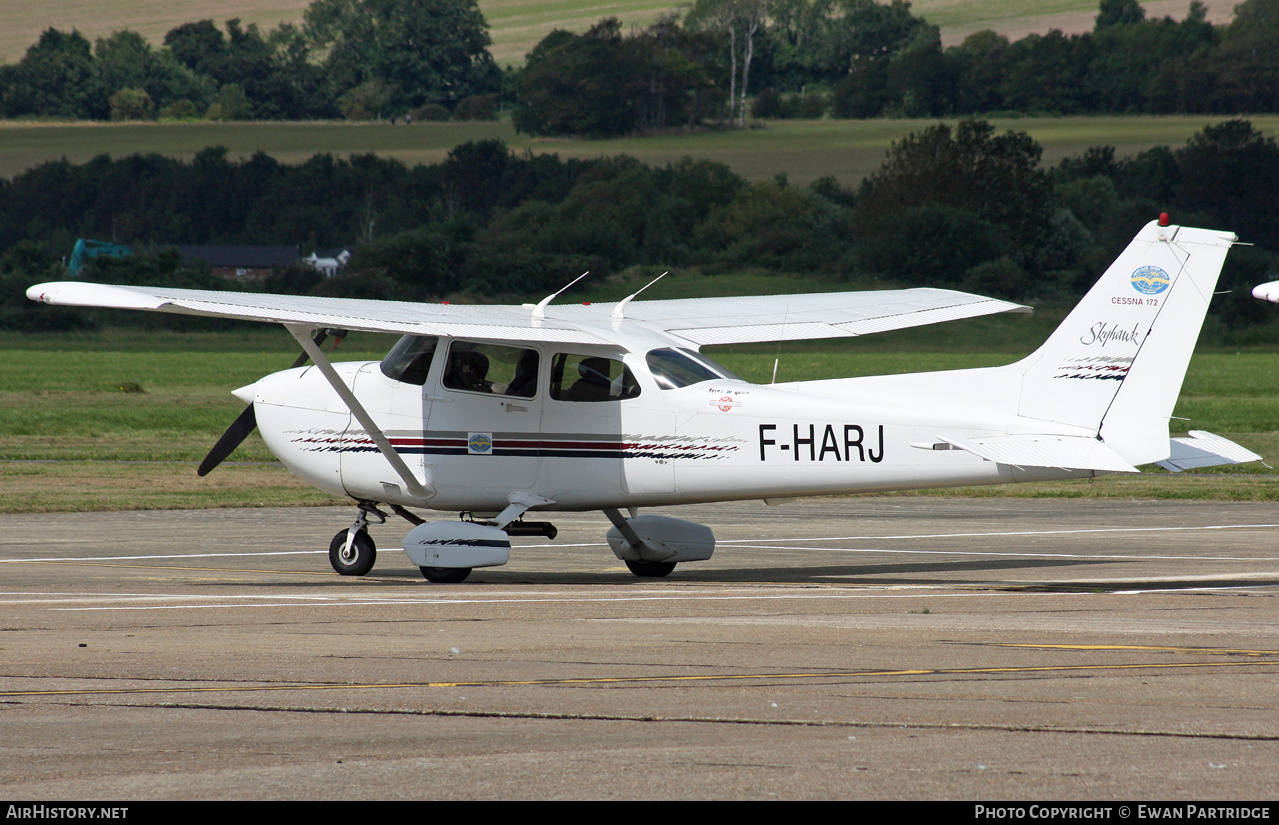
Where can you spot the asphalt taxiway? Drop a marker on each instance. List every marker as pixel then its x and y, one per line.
pixel 912 648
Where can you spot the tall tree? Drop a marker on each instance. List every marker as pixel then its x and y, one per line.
pixel 977 64
pixel 583 84
pixel 741 20
pixel 196 45
pixel 602 83
pixel 823 41
pixel 127 61
pixel 57 77
pixel 996 177
pixel 1231 171
pixel 1118 13
pixel 1248 60
pixel 423 51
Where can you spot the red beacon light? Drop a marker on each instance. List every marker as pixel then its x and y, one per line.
pixel 1163 218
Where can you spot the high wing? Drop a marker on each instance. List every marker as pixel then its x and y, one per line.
pixel 699 321
pixel 468 320
pixel 745 320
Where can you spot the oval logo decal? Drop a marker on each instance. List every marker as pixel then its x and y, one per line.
pixel 1150 280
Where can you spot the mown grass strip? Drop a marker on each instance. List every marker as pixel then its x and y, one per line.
pixel 803 151
pixel 84 486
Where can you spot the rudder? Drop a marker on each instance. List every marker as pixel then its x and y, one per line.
pixel 1115 364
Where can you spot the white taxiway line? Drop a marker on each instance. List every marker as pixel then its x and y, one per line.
pixel 1026 533
pixel 1021 554
pixel 171 556
pixel 809 595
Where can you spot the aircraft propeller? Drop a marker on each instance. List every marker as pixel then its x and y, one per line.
pixel 247 421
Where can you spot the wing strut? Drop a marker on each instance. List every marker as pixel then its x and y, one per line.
pixel 415 488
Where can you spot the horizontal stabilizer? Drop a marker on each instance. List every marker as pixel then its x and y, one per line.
pixel 1203 449
pixel 1066 452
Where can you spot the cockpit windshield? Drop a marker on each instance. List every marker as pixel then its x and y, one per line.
pixel 410 359
pixel 675 368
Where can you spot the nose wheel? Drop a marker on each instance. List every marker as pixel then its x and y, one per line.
pixel 354 558
pixel 352 552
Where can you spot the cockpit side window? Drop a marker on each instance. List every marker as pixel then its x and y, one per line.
pixel 591 378
pixel 491 368
pixel 409 360
pixel 675 368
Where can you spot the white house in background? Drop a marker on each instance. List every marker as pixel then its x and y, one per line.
pixel 328 262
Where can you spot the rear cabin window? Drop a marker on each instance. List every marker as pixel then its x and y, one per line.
pixel 591 378
pixel 675 368
pixel 491 368
pixel 410 359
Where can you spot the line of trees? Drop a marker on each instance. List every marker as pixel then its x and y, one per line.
pixel 963 207
pixel 363 59
pixel 862 59
pixel 352 58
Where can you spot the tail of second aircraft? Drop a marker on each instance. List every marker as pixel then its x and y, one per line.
pixel 1115 364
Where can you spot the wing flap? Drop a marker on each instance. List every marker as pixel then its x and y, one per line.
pixel 1204 449
pixel 704 321
pixel 1064 452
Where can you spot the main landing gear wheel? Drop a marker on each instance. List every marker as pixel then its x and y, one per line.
pixel 445 575
pixel 360 558
pixel 651 569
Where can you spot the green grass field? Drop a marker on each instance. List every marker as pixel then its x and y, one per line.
pixel 72 438
pixel 801 150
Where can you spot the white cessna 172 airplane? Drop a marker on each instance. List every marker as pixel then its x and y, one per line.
pixel 493 411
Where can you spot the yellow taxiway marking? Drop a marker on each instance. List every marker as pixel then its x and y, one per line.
pixel 618 680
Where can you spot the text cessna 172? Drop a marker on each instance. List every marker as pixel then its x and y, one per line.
pixel 493 411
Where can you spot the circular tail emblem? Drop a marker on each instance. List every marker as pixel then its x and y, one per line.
pixel 1150 280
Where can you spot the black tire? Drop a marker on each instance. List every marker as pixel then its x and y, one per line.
pixel 363 548
pixel 445 575
pixel 651 569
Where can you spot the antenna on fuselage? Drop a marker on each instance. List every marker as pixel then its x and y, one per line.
pixel 539 311
pixel 619 311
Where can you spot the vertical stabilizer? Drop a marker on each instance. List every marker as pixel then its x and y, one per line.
pixel 1116 364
